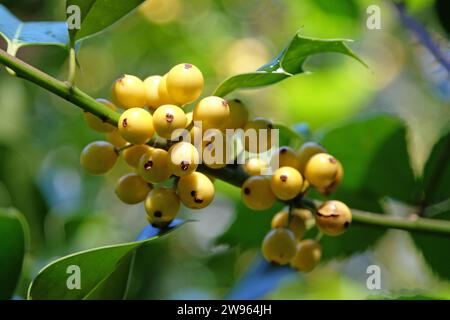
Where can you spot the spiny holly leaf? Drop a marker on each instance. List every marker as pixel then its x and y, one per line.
pixel 288 63
pixel 97 15
pixel 14 233
pixel 103 272
pixel 18 33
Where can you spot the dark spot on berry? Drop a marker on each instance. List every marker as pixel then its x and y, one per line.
pixel 187 65
pixel 148 165
pixel 270 126
pixel 247 191
pixel 193 193
pixel 332 160
pixel 124 123
pixel 283 177
pixel 169 117
pixel 238 100
pixel 283 150
pixel 197 200
pixel 225 103
pixel 346 224
pixel 157 214
pixel 184 165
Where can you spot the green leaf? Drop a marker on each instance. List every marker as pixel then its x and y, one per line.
pixel 14 231
pixel 288 63
pixel 249 227
pixel 373 151
pixel 436 174
pixel 18 33
pixel 96 15
pixel 434 248
pixel 104 272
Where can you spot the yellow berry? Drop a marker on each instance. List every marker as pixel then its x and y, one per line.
pixel 307 255
pixel 286 183
pixel 304 214
pixel 98 124
pixel 136 125
pixel 305 153
pixel 116 139
pixel 279 246
pixel 321 170
pixel 196 190
pixel 183 158
pixel 257 194
pixel 258 135
pixel 133 154
pixel 98 157
pixel 168 118
pixel 132 189
pixel 238 115
pixel 255 166
pixel 217 149
pixel 212 110
pixel 337 181
pixel 162 206
pixel 296 223
pixel 286 157
pixel 184 83
pixel 129 92
pixel 189 119
pixel 154 167
pixel 333 218
pixel 164 96
pixel 151 92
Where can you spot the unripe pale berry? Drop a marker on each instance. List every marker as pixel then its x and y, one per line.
pixel 129 92
pixel 287 157
pixel 279 246
pixel 321 170
pixel 164 96
pixel 184 83
pixel 333 218
pixel 258 135
pixel 238 115
pixel 212 110
pixel 183 158
pixel 152 98
pixel 305 153
pixel 98 124
pixel 286 183
pixel 136 125
pixel 257 194
pixel 132 189
pixel 116 139
pixel 154 167
pixel 162 206
pixel 98 157
pixel 133 154
pixel 307 255
pixel 196 190
pixel 168 118
pixel 296 223
pixel 255 166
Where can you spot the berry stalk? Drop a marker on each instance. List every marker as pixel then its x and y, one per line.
pixel 232 175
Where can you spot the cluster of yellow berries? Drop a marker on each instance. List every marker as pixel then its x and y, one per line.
pixel 154 110
pixel 311 166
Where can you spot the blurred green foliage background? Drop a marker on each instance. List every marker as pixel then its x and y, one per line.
pixel 41 135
